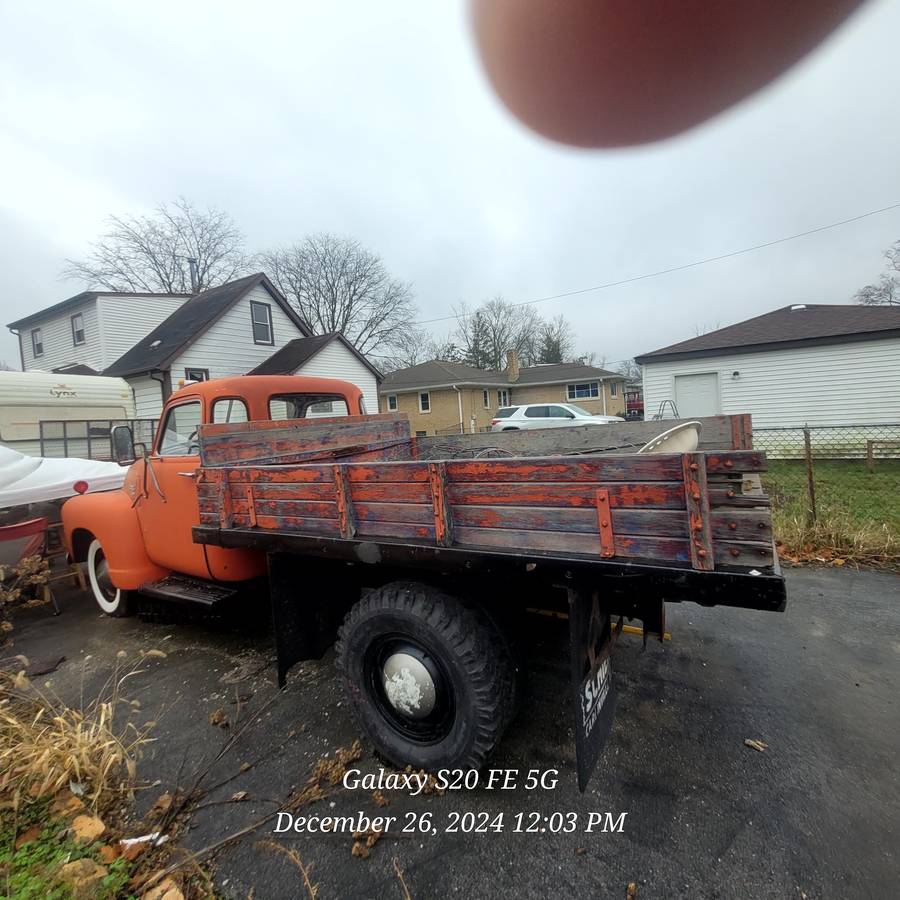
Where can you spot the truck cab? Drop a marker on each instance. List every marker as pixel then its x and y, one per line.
pixel 139 537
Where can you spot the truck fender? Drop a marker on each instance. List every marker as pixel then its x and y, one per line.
pixel 109 518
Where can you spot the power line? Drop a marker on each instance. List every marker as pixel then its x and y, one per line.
pixel 681 268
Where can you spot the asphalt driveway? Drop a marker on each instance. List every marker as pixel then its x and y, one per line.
pixel 815 815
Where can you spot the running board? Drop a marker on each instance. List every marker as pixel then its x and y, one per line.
pixel 183 589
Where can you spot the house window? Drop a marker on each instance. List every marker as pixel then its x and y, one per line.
pixel 196 374
pixel 261 319
pixel 613 388
pixel 392 402
pixel 503 397
pixel 582 391
pixel 77 329
pixel 486 399
pixel 424 402
pixel 37 342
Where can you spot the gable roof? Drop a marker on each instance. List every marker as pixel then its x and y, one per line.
pixel 789 326
pixel 295 353
pixel 441 373
pixel 77 300
pixel 157 350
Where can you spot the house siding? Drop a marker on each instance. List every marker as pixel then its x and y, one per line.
pixel 227 347
pixel 124 321
pixel 335 361
pixel 56 334
pixel 852 383
pixel 147 396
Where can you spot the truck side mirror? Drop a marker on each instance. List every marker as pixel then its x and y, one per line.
pixel 123 445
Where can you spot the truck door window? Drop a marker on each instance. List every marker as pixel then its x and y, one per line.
pixel 306 406
pixel 179 434
pixel 229 409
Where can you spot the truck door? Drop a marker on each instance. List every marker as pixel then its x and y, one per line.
pixel 170 508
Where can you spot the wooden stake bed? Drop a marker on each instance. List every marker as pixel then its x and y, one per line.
pixel 367 479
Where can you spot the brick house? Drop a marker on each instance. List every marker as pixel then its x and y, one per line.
pixel 442 397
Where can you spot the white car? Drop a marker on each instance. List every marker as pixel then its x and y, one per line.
pixel 546 415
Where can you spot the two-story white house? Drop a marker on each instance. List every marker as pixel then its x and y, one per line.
pixel 89 331
pixel 157 341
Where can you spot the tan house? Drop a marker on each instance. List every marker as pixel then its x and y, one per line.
pixel 442 397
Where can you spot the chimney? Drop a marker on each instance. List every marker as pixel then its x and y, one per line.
pixel 192 265
pixel 512 366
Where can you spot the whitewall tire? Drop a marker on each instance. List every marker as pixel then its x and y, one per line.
pixel 112 600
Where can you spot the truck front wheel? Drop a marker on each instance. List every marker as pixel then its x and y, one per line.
pixel 112 600
pixel 425 677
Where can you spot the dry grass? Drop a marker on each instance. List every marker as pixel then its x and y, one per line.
pixel 46 745
pixel 834 536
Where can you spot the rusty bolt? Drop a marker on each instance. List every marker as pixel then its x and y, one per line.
pixel 694 467
pixel 605 524
pixel 701 553
pixel 760 524
pixel 735 552
pixel 730 494
pixel 732 526
pixel 729 463
pixel 696 495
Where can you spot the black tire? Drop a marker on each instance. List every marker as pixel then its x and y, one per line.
pixel 462 651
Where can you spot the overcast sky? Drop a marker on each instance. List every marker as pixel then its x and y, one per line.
pixel 298 117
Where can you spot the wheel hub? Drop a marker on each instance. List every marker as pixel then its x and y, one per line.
pixel 409 686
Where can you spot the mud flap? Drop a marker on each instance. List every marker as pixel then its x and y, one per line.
pixel 593 693
pixel 309 599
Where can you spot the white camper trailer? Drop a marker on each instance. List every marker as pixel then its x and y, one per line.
pixel 29 398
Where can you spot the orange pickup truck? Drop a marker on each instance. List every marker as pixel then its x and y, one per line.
pixel 140 536
pixel 422 555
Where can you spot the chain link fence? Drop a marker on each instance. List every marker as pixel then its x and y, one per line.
pixel 836 486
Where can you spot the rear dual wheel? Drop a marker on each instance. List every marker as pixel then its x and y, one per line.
pixel 430 681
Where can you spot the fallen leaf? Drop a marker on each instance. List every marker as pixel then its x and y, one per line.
pixel 245 766
pixel 87 828
pixel 756 745
pixel 220 719
pixel 631 891
pixel 580 851
pixel 30 834
pixel 83 876
pixel 838 562
pixel 156 654
pixel 109 853
pixel 167 889
pixel 239 796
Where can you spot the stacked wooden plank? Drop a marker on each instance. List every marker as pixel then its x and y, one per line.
pixel 673 509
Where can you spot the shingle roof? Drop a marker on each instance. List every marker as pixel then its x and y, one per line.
pixel 77 300
pixel 438 373
pixel 189 321
pixel 787 327
pixel 293 354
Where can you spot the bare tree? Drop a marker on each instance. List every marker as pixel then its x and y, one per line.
pixel 630 369
pixel 487 333
pixel 593 359
pixel 338 285
pixel 151 253
pixel 556 341
pixel 887 291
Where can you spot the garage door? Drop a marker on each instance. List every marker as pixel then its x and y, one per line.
pixel 697 395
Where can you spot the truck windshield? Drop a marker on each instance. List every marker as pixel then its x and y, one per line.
pixel 306 406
